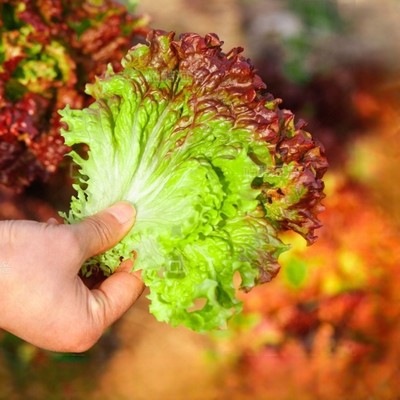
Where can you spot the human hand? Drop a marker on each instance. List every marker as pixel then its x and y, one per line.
pixel 42 298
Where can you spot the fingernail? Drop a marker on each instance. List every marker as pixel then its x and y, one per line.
pixel 123 212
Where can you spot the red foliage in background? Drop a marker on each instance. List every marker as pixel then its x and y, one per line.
pixel 48 51
pixel 332 333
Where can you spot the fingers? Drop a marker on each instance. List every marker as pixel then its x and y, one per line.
pixel 116 294
pixel 103 230
pixel 114 297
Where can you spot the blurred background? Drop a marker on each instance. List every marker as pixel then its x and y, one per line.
pixel 328 326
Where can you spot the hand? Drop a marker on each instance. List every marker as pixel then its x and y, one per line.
pixel 42 298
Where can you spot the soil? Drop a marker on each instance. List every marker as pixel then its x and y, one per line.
pixel 157 361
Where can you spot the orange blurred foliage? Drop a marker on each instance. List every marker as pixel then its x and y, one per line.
pixel 332 333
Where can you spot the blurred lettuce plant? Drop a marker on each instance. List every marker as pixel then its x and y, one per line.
pixel 48 51
pixel 319 20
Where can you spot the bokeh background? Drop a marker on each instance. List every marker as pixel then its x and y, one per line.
pixel 328 326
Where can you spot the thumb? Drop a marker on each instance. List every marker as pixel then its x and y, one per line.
pixel 114 297
pixel 105 229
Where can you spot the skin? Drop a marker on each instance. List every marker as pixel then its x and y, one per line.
pixel 42 298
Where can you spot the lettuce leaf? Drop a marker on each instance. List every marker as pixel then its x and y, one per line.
pixel 214 168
